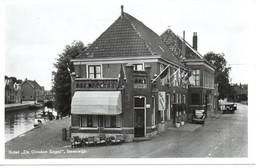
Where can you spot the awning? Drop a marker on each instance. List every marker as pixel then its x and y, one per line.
pixel 96 103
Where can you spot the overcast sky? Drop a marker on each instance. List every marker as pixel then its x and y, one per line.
pixel 35 33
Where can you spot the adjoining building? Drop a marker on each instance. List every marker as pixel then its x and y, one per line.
pixel 129 82
pixel 32 91
pixel 201 93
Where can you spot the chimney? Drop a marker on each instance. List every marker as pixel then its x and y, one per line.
pixel 122 10
pixel 195 41
pixel 183 47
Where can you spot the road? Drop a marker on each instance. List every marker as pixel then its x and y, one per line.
pixel 223 136
pixel 226 136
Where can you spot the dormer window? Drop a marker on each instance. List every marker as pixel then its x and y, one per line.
pixel 138 67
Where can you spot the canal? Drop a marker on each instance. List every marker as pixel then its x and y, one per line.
pixel 20 121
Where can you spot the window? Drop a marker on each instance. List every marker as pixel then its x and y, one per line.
pixel 196 74
pixel 184 99
pixel 177 98
pixel 138 67
pixel 113 121
pixel 180 98
pixel 89 121
pixel 94 71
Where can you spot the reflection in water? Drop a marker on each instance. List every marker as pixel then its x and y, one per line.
pixel 20 121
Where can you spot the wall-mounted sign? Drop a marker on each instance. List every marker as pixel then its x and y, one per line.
pixel 140 86
pixel 161 100
pixel 148 106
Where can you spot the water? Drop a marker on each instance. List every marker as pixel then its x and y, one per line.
pixel 20 121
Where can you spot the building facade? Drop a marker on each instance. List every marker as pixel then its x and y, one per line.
pixel 129 82
pixel 32 91
pixel 12 90
pixel 201 93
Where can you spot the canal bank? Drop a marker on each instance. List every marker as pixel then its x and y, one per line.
pixel 19 121
pixel 17 106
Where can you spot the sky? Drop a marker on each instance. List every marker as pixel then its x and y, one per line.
pixel 35 32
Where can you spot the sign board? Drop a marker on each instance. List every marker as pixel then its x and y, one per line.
pixel 161 100
pixel 148 106
pixel 140 86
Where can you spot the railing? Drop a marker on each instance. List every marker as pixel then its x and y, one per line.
pixel 105 83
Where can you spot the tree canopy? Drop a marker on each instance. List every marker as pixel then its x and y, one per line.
pixel 221 73
pixel 62 80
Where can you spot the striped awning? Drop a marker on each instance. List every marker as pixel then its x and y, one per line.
pixel 96 103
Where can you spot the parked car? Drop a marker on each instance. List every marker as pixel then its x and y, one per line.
pixel 198 117
pixel 230 108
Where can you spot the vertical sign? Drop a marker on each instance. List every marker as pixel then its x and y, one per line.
pixel 161 100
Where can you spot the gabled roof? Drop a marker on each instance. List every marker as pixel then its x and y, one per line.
pixel 32 83
pixel 169 36
pixel 128 37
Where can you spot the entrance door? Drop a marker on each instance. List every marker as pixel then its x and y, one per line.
pixel 139 123
pixel 139 116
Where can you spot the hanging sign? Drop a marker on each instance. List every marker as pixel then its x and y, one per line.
pixel 161 101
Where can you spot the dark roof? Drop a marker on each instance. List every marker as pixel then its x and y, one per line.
pixel 171 39
pixel 33 84
pixel 128 37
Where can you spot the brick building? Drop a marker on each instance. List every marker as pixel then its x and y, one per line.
pixel 129 82
pixel 201 93
pixel 32 91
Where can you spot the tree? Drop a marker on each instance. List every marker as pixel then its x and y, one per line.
pixel 62 80
pixel 221 73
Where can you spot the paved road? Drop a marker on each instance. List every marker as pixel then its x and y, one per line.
pixel 223 136
pixel 226 136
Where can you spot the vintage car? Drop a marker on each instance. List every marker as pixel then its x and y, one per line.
pixel 230 108
pixel 198 117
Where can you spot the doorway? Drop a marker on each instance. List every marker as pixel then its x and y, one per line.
pixel 139 116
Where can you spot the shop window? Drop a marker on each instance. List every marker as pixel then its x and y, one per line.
pixel 94 71
pixel 74 120
pixel 113 121
pixel 89 121
pixel 195 99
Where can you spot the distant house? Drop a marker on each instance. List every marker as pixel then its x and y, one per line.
pixel 32 91
pixel 12 90
pixel 240 92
